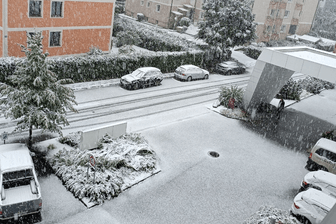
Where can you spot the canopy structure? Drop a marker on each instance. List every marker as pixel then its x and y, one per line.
pixel 275 66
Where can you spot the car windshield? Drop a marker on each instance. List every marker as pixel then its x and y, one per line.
pixel 17 178
pixel 138 73
pixel 180 70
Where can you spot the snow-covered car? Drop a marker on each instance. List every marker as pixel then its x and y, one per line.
pixel 322 156
pixel 320 180
pixel 190 72
pixel 311 206
pixel 230 67
pixel 20 189
pixel 141 78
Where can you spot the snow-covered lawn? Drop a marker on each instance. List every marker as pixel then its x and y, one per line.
pixel 119 164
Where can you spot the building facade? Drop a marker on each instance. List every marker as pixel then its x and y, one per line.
pixel 165 13
pixel 275 19
pixel 68 26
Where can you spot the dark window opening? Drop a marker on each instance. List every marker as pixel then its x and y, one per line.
pixel 292 29
pixel 35 8
pixel 55 39
pixel 56 9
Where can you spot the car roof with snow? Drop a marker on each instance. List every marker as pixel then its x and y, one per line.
pixel 326 177
pixel 188 66
pixel 327 144
pixel 319 198
pixel 14 156
pixel 146 69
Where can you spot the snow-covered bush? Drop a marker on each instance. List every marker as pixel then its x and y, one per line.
pixel 185 21
pixel 95 51
pixel 232 92
pixel 266 214
pixel 72 139
pixel 127 38
pixel 252 51
pixel 118 161
pixel 315 85
pixel 330 135
pixel 152 38
pixel 291 90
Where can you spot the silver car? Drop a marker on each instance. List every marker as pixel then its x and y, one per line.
pixel 311 206
pixel 230 67
pixel 320 180
pixel 190 72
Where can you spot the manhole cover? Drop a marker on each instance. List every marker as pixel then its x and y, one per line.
pixel 213 154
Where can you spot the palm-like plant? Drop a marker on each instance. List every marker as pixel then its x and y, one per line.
pixel 232 92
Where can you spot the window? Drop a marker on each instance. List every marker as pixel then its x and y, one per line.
pixel 148 4
pixel 273 12
pixel 55 39
pixel 300 13
pixel 158 8
pixel 35 8
pixel 286 13
pixel 142 3
pixel 320 151
pixel 268 29
pixel 283 28
pixel 56 9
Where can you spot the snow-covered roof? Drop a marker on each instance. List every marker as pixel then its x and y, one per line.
pixel 325 40
pixel 316 197
pixel 293 37
pixel 325 177
pixel 177 13
pixel 327 144
pixel 146 69
pixel 14 156
pixel 183 10
pixel 188 6
pixel 310 39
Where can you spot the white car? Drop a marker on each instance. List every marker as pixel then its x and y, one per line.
pixel 142 78
pixel 190 72
pixel 311 206
pixel 320 180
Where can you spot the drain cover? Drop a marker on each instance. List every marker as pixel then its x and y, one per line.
pixel 213 154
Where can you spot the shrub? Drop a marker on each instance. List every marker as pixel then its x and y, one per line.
pixel 72 139
pixel 185 21
pixel 330 135
pixel 291 90
pixel 268 214
pixel 117 162
pixel 127 38
pixel 252 52
pixel 315 85
pixel 95 51
pixel 233 92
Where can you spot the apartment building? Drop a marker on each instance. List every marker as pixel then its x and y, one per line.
pixel 165 13
pixel 68 26
pixel 275 19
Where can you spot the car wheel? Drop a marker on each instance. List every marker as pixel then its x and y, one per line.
pixel 229 73
pixel 136 85
pixel 156 82
pixel 189 79
pixel 206 76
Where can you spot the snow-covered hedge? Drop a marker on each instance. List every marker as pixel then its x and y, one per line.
pixel 268 214
pixel 153 38
pixel 315 85
pixel 118 162
pixel 108 66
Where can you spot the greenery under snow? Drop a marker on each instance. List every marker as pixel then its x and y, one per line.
pixel 118 163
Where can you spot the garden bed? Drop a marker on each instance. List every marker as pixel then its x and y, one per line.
pixel 118 164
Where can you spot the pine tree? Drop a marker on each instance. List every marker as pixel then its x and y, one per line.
pixel 227 23
pixel 36 99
